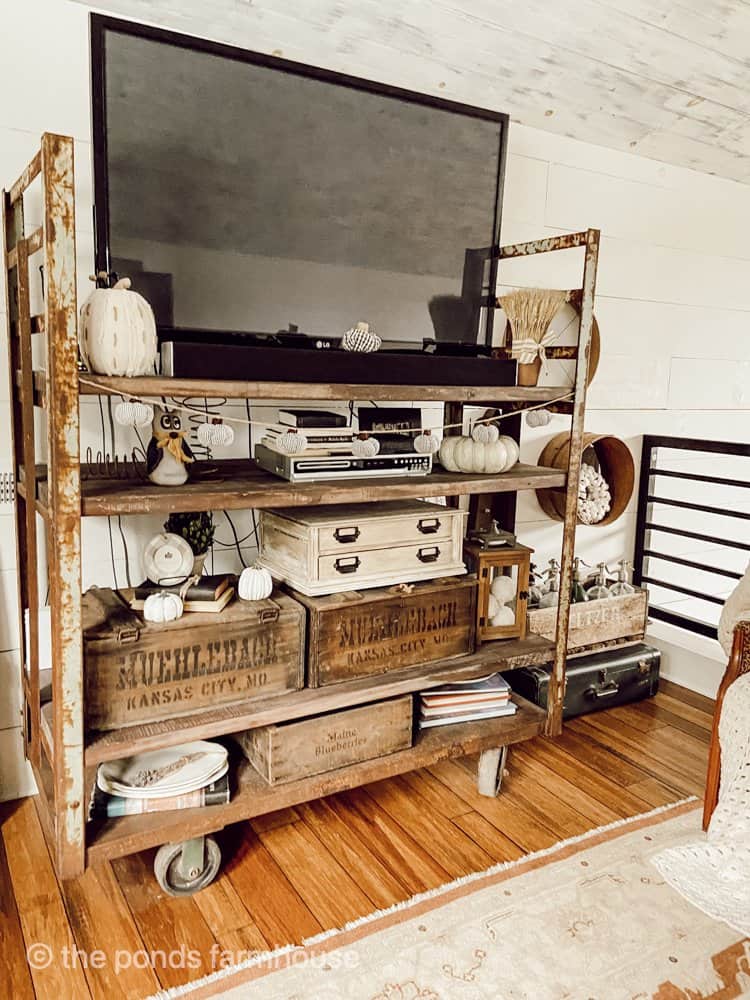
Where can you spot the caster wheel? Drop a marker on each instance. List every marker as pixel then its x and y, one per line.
pixel 184 869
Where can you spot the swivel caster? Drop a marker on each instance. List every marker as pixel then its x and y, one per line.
pixel 186 868
pixel 490 771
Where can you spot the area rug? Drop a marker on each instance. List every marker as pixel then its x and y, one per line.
pixel 589 919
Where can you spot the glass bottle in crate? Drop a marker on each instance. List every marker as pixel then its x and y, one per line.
pixel 600 590
pixel 577 593
pixel 551 594
pixel 623 585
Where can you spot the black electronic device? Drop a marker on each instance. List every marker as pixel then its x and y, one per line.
pixel 287 189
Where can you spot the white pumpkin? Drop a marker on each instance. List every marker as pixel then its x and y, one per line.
pixel 215 435
pixel 131 413
pixel 493 606
pixel 503 588
pixel 485 433
pixel 255 584
pixel 505 616
pixel 118 332
pixel 538 418
pixel 292 442
pixel 426 443
pixel 365 446
pixel 464 454
pixel 162 607
pixel 513 452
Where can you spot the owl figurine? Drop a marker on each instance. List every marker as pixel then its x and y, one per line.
pixel 168 454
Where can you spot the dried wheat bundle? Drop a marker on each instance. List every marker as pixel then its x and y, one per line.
pixel 530 312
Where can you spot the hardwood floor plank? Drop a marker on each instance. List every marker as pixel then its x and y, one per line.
pixel 553 812
pixel 624 802
pixel 279 818
pixel 634 716
pixel 593 811
pixel 15 976
pixel 675 749
pixel 690 713
pixel 40 906
pixel 407 860
pixel 684 696
pixel 228 918
pixel 496 844
pixel 655 793
pixel 173 930
pixel 101 922
pixel 325 887
pixel 273 903
pixel 329 820
pixel 656 711
pixel 505 814
pixel 589 750
pixel 439 796
pixel 449 846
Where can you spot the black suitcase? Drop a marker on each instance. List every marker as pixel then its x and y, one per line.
pixel 597 680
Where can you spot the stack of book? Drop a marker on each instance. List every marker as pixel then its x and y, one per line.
pixel 182 777
pixel 210 593
pixel 466 701
pixel 327 433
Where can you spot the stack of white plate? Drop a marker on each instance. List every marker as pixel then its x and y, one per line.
pixel 163 773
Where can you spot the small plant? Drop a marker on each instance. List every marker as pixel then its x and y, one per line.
pixel 196 528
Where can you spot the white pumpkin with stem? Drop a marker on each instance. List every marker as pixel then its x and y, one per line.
pixel 464 454
pixel 255 583
pixel 162 607
pixel 118 332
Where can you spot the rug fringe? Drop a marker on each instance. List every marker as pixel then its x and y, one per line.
pixel 268 956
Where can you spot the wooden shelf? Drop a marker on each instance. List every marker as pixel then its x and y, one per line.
pixel 253 797
pixel 157 386
pixel 502 655
pixel 240 484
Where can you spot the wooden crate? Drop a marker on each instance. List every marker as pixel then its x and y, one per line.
pixel 136 671
pixel 293 750
pixel 375 632
pixel 343 547
pixel 592 622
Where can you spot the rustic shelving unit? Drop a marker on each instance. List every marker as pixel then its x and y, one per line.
pixel 51 492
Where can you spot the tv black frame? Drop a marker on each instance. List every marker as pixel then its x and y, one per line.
pixel 99 24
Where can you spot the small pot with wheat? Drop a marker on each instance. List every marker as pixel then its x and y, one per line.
pixel 530 312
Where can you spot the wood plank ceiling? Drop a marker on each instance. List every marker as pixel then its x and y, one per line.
pixel 664 79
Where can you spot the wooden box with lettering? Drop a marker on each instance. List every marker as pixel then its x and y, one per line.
pixel 136 671
pixel 293 750
pixel 595 622
pixel 357 634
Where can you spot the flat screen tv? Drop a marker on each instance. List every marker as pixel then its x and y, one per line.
pixel 242 192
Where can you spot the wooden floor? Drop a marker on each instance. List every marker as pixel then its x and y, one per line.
pixel 300 871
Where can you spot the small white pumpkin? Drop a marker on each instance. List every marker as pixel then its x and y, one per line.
pixel 538 418
pixel 485 433
pixel 291 442
pixel 361 339
pixel 513 452
pixel 426 443
pixel 493 606
pixel 464 454
pixel 162 607
pixel 255 583
pixel 118 332
pixel 216 434
pixel 131 413
pixel 503 588
pixel 365 446
pixel 505 616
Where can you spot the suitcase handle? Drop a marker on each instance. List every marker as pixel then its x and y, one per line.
pixel 349 564
pixel 345 535
pixel 428 525
pixel 606 692
pixel 429 555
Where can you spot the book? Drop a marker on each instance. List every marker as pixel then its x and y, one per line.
pixel 313 447
pixel 479 685
pixel 208 588
pixel 106 806
pixel 190 603
pixel 434 712
pixel 494 713
pixel 464 699
pixel 320 435
pixel 311 418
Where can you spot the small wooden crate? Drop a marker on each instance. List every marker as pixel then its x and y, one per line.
pixel 341 547
pixel 374 632
pixel 136 671
pixel 593 622
pixel 293 750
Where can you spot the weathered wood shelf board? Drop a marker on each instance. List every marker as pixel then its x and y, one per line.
pixel 507 655
pixel 239 485
pixel 156 386
pixel 254 797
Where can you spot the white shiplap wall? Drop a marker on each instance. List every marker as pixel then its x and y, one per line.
pixel 673 306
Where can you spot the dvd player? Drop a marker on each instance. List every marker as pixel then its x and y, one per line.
pixel 302 469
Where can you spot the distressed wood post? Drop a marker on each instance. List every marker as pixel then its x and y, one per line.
pixel 557 678
pixel 64 500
